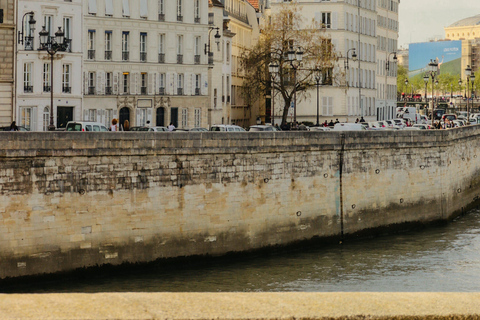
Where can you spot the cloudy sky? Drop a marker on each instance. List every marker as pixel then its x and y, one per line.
pixel 423 20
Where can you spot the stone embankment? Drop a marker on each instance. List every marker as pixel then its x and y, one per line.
pixel 236 306
pixel 77 200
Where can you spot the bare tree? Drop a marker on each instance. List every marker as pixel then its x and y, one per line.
pixel 287 31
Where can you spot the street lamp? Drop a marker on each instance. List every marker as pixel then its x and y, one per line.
pixel 318 82
pixel 273 69
pixel 295 59
pixel 406 87
pixel 52 45
pixel 207 45
pixel 470 77
pixel 387 67
pixel 354 58
pixel 432 72
pixel 31 24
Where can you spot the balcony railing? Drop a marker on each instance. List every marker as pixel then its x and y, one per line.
pixel 179 91
pixel 47 88
pixel 143 90
pixel 108 55
pixel 197 91
pixel 196 59
pixel 108 91
pixel 29 43
pixel 161 91
pixel 179 58
pixel 161 17
pixel 91 90
pixel 67 89
pixel 68 42
pixel 27 89
pixel 161 58
pixel 125 56
pixel 179 17
pixel 197 19
pixel 143 56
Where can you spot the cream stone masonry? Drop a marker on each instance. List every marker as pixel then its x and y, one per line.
pixel 7 50
pixel 73 200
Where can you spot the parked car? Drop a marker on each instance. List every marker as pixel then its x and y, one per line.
pixel 474 117
pixel 262 128
pixel 158 129
pixel 140 129
pixel 198 130
pixel 85 126
pixel 320 129
pixel 449 116
pixel 348 127
pixel 421 126
pixel 226 127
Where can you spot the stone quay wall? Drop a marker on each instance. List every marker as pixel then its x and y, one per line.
pixel 73 200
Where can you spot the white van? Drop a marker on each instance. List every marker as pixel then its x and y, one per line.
pixel 348 127
pixel 226 127
pixel 85 126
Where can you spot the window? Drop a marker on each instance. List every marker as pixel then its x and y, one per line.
pixel 66 88
pixel 125 82
pixel 179 49
pixel 109 8
pixel 47 85
pixel 326 20
pixel 184 118
pixel 47 22
pixel 161 48
pixel 126 8
pixel 161 88
pixel 67 26
pixel 46 118
pixel 29 45
pixel 198 118
pixel 143 47
pixel 179 10
pixel 108 83
pixel 180 84
pixel 91 45
pixel 27 77
pixel 108 45
pixel 91 83
pixel 327 106
pixel 197 84
pixel 92 7
pixel 197 50
pixel 26 117
pixel 125 53
pixel 227 52
pixel 197 11
pixel 143 89
pixel 161 10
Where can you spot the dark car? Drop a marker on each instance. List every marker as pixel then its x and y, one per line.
pixel 20 128
pixel 139 129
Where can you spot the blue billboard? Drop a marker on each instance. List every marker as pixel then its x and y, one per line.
pixel 448 55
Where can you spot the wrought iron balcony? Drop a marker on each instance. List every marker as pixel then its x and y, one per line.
pixel 161 91
pixel 67 89
pixel 91 54
pixel 125 56
pixel 143 56
pixel 180 91
pixel 197 19
pixel 197 91
pixel 179 18
pixel 91 90
pixel 196 59
pixel 161 17
pixel 161 58
pixel 108 55
pixel 27 89
pixel 29 43
pixel 179 58
pixel 143 90
pixel 108 91
pixel 47 88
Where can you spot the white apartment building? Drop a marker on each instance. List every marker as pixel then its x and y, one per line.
pixel 352 92
pixel 144 60
pixel 387 41
pixel 34 83
pixel 220 71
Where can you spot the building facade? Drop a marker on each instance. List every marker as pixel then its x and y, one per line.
pixel 7 54
pixel 387 66
pixel 34 81
pixel 144 62
pixel 351 26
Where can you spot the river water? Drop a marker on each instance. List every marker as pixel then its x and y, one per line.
pixel 442 258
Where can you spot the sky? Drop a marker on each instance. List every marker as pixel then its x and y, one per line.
pixel 424 20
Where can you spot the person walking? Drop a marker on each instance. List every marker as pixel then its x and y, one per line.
pixel 13 126
pixel 126 125
pixel 361 119
pixel 171 127
pixel 114 126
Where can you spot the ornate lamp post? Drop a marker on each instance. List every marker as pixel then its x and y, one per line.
pixel 207 45
pixel 387 68
pixel 433 69
pixel 31 24
pixel 273 69
pixel 52 45
pixel 425 79
pixel 354 58
pixel 470 77
pixel 318 82
pixel 295 59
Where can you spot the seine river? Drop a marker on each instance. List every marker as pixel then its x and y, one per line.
pixel 441 258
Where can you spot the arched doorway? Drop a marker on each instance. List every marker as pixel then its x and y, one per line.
pixel 160 120
pixel 125 115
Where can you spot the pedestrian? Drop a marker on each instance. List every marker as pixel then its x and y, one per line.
pixel 325 124
pixel 148 123
pixel 13 126
pixel 336 121
pixel 114 126
pixel 356 121
pixel 171 127
pixel 126 125
pixel 361 119
pixel 331 124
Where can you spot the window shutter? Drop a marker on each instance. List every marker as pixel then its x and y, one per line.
pixel 151 83
pixel 126 8
pixel 149 115
pixel 33 126
pixel 133 83
pixel 85 115
pixel 85 83
pixel 138 117
pixel 92 6
pixel 115 82
pixel 109 7
pixel 203 84
pixel 318 18
pixel 102 82
pixel 193 84
pixel 98 84
pixel 143 8
pixel 334 20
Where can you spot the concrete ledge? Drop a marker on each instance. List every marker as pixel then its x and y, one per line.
pixel 235 306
